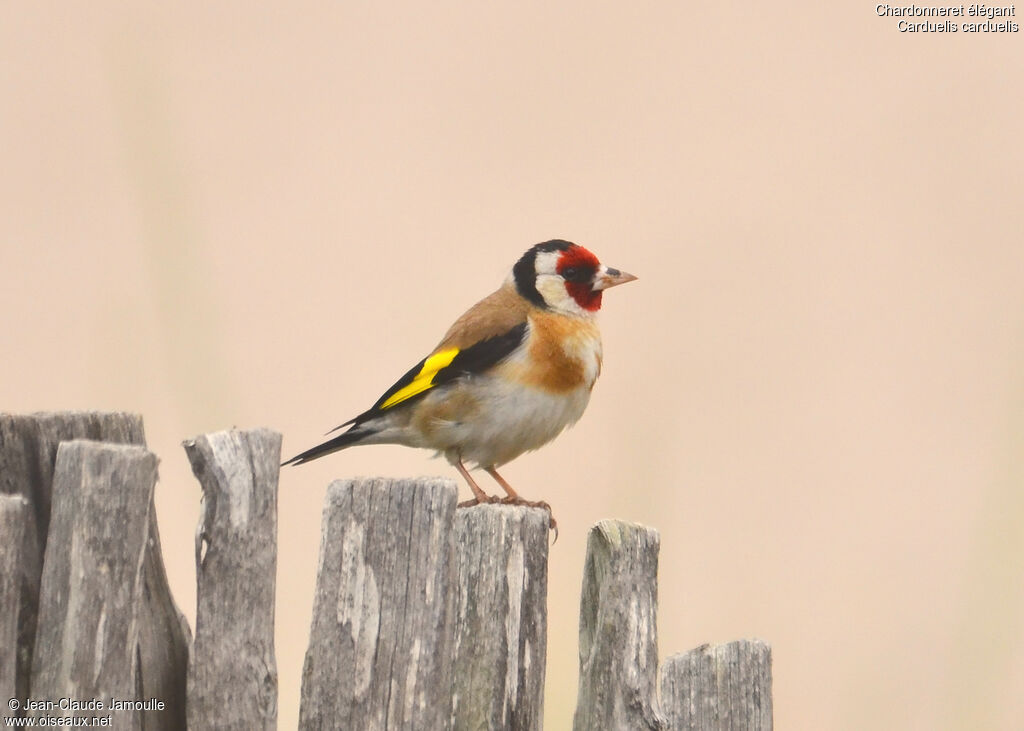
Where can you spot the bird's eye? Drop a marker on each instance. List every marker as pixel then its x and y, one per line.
pixel 577 274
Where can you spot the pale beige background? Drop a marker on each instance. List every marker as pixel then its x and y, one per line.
pixel 239 214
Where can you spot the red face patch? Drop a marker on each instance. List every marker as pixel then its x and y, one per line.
pixel 578 267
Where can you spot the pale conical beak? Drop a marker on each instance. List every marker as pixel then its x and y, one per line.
pixel 611 278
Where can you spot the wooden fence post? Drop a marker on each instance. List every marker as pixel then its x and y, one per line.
pixel 86 643
pixel 28 451
pixel 232 672
pixel 424 617
pixel 618 630
pixel 380 649
pixel 13 516
pixel 501 624
pixel 719 688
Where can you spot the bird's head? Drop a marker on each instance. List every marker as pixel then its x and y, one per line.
pixel 562 276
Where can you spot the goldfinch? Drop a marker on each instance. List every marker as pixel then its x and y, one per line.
pixel 514 371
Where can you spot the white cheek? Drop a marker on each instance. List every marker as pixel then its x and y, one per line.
pixel 552 289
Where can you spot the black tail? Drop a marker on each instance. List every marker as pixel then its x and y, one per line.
pixel 352 436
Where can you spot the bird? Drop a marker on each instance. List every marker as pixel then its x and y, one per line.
pixel 508 376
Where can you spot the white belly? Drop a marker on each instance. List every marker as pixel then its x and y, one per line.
pixel 511 419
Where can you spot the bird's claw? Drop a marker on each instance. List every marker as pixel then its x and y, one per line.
pixel 473 502
pixel 494 499
pixel 552 523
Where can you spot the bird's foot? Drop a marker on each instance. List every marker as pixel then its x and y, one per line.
pixel 486 500
pixel 494 499
pixel 552 523
pixel 525 503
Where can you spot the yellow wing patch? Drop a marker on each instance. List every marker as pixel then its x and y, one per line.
pixel 423 380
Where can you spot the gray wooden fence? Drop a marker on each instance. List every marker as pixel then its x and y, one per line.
pixel 425 617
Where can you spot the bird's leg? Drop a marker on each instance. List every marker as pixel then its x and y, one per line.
pixel 479 496
pixel 514 498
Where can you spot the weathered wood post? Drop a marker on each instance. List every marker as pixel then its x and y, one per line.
pixel 87 637
pixel 380 649
pixel 424 618
pixel 501 625
pixel 13 517
pixel 618 630
pixel 232 672
pixel 28 451
pixel 719 688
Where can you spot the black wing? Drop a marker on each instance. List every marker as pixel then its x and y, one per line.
pixel 444 366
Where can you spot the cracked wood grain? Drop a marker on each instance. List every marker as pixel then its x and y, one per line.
pixel 28 451
pixel 89 600
pixel 618 631
pixel 232 672
pixel 719 688
pixel 380 650
pixel 13 516
pixel 501 618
